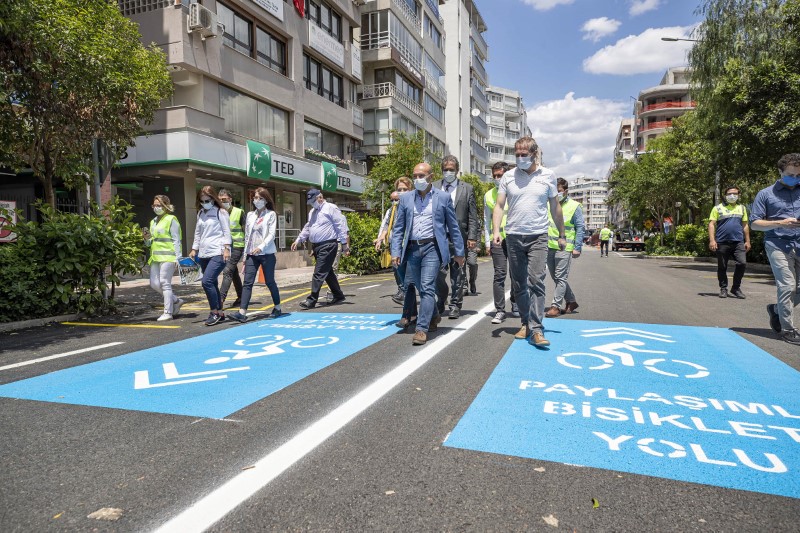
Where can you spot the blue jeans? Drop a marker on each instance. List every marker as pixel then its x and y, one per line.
pixel 527 256
pixel 212 267
pixel 266 263
pixel 422 265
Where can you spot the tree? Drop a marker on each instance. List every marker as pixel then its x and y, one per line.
pixel 405 152
pixel 71 71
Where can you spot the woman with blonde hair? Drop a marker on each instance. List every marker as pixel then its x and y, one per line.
pixel 164 240
pixel 212 247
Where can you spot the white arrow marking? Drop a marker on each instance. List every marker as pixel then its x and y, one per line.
pixel 626 331
pixel 141 378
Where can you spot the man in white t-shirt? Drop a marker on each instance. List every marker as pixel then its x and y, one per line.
pixel 528 189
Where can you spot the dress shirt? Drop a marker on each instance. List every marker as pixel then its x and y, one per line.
pixel 422 227
pixel 325 223
pixel 778 202
pixel 450 188
pixel 212 232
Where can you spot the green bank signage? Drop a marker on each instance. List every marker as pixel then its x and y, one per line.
pixel 330 177
pixel 259 161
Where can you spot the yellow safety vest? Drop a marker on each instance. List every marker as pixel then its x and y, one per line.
pixel 490 200
pixel 605 234
pixel 237 232
pixel 162 249
pixel 568 208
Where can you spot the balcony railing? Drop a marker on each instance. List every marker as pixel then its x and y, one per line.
pixel 134 7
pixel 657 125
pixel 479 151
pixel 477 66
pixel 384 90
pixel 409 14
pixel 480 42
pixel 434 5
pixel 669 105
pixel 480 96
pixel 385 39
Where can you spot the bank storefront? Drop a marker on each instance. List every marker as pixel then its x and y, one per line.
pixel 178 164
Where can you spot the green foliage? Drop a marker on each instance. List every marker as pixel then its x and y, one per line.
pixel 70 71
pixel 363 258
pixel 59 265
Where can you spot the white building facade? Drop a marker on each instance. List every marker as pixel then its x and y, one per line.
pixel 508 121
pixel 592 194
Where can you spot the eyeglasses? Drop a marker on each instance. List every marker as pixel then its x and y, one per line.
pixel 425 176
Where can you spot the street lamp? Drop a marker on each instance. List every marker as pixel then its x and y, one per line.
pixel 677 221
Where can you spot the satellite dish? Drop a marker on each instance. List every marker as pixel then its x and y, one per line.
pixel 476 112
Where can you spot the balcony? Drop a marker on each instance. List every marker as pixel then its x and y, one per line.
pixel 385 39
pixel 479 151
pixel 480 97
pixel 480 42
pixel 432 83
pixel 661 124
pixel 669 105
pixel 408 14
pixel 478 68
pixel 434 5
pixel 480 126
pixel 389 90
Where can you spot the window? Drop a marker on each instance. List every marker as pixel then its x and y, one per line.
pixel 433 33
pixel 404 41
pixel 323 81
pixel 253 119
pixel 238 30
pixel 323 140
pixel 375 30
pixel 435 146
pixel 402 123
pixel 413 6
pixel 434 109
pixel 376 127
pixel 407 88
pixel 270 51
pixel 325 17
pixel 435 71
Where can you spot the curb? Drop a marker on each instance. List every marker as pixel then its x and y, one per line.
pixel 752 267
pixel 37 322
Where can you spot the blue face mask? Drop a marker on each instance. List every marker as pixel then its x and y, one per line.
pixel 790 181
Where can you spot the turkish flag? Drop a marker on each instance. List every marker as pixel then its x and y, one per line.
pixel 300 6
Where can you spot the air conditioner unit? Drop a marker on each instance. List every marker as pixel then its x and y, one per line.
pixel 203 20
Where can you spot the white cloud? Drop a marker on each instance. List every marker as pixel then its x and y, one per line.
pixel 544 5
pixel 643 6
pixel 641 54
pixel 577 135
pixel 596 29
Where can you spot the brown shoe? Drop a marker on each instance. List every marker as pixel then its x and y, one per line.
pixel 571 307
pixel 434 325
pixel 538 340
pixel 419 338
pixel 553 312
pixel 522 333
pixel 404 322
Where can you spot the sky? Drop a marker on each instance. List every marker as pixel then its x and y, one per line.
pixel 578 64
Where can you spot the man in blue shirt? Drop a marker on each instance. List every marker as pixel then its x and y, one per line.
pixel 419 241
pixel 776 211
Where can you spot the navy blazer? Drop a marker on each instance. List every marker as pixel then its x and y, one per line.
pixel 444 220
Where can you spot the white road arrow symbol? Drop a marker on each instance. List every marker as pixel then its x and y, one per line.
pixel 141 378
pixel 603 332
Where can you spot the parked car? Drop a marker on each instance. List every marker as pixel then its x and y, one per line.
pixel 628 238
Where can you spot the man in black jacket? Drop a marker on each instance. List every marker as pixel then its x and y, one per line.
pixel 463 198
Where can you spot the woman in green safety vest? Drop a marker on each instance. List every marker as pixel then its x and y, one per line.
pixel 164 240
pixel 231 272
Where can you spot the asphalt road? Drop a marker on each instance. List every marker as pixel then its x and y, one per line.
pixel 383 464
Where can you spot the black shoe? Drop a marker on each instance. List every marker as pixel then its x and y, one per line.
pixel 275 313
pixel 337 300
pixel 473 290
pixel 737 293
pixel 236 303
pixel 792 337
pixel 454 313
pixel 774 319
pixel 238 317
pixel 723 293
pixel 308 303
pixel 398 297
pixel 213 319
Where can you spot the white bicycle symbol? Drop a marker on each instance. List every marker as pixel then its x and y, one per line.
pixel 626 359
pixel 271 346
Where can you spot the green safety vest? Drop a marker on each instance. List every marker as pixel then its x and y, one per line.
pixel 237 232
pixel 723 211
pixel 568 208
pixel 605 234
pixel 490 200
pixel 162 249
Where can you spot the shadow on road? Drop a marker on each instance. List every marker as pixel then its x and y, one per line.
pixel 765 333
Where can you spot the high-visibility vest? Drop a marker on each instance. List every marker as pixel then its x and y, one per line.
pixel 162 249
pixel 490 200
pixel 723 211
pixel 237 232
pixel 605 234
pixel 568 208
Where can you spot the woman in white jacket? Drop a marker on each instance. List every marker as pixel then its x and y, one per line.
pixel 259 252
pixel 212 247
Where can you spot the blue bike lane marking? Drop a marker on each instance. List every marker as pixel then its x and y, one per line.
pixel 686 403
pixel 212 375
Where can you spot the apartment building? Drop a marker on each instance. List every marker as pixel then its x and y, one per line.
pixel 508 121
pixel 658 106
pixel 466 82
pixel 624 147
pixel 265 96
pixel 403 56
pixel 592 193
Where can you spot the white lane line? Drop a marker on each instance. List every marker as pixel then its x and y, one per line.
pixel 210 509
pixel 369 287
pixel 58 355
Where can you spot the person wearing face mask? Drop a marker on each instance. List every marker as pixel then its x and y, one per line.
pixel 211 247
pixel 463 196
pixel 498 252
pixel 420 244
pixel 230 273
pixel 729 236
pixel 325 229
pixel 528 189
pixel 164 241
pixel 776 211
pixel 259 251
pixel 559 261
pixel 403 184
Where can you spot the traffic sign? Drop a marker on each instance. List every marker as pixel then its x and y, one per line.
pixel 212 375
pixel 687 403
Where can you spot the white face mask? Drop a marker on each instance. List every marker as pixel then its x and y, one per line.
pixel 525 162
pixel 420 184
pixel 158 211
pixel 497 182
pixel 207 204
pixel 449 176
pixel 732 198
pixel 560 196
pixel 259 203
pixel 226 205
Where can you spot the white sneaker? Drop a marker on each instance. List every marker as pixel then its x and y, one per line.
pixel 176 307
pixel 165 316
pixel 499 317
